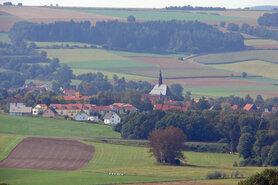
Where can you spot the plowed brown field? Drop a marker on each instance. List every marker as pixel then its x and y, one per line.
pixel 46 15
pixel 49 154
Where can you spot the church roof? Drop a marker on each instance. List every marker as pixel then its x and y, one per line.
pixel 162 89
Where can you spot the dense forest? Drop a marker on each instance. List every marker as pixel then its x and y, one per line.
pixel 155 36
pixel 268 19
pixel 195 8
pixel 259 31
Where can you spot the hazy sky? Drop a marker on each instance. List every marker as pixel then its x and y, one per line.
pixel 147 3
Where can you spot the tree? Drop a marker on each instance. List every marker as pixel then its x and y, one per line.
pixel 167 145
pixel 222 24
pixel 131 18
pixel 177 90
pixel 233 27
pixel 244 75
pixel 266 177
pixel 245 145
pixel 273 155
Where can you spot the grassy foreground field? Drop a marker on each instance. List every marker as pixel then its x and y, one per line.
pixel 53 127
pixel 132 161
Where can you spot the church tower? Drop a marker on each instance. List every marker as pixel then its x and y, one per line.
pixel 160 79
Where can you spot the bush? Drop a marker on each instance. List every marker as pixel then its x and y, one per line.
pixel 235 164
pixel 266 177
pixel 216 175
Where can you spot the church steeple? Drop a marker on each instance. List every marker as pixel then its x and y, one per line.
pixel 160 78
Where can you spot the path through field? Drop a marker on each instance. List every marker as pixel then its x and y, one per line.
pixel 49 154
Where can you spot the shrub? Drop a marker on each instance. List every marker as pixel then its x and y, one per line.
pixel 216 175
pixel 266 177
pixel 235 164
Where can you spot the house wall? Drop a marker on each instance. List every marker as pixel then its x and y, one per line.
pixel 81 117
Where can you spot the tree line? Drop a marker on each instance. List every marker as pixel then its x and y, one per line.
pixel 195 8
pixel 268 19
pixel 154 36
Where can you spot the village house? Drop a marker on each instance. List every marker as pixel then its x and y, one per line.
pixel 71 109
pixel 20 110
pixel 76 97
pixel 236 107
pixel 38 109
pixel 101 110
pixel 50 113
pixel 250 108
pixel 14 101
pixel 81 116
pixel 123 108
pixel 111 118
pixel 70 92
pixel 168 107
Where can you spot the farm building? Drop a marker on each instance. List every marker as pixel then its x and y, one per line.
pixel 81 116
pixel 38 109
pixel 111 118
pixel 250 108
pixel 50 113
pixel 20 110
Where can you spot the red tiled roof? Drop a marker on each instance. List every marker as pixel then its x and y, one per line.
pixel 130 108
pixel 71 106
pixel 101 108
pixel 68 98
pixel 69 92
pixel 168 107
pixel 14 100
pixel 118 104
pixel 117 107
pixel 248 107
pixel 236 107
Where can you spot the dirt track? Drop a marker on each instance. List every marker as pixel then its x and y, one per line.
pixel 49 154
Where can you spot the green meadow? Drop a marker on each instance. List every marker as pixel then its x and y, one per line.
pixel 233 57
pixel 254 42
pixel 134 162
pixel 53 127
pixel 252 67
pixel 217 91
pixel 155 14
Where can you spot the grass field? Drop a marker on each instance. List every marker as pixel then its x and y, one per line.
pixel 150 15
pixel 110 74
pixel 53 127
pixel 253 67
pixel 232 57
pixel 134 162
pixel 108 64
pixel 82 55
pixel 216 91
pixel 133 54
pixel 70 44
pixel 254 42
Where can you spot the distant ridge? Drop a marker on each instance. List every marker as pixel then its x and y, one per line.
pixel 264 7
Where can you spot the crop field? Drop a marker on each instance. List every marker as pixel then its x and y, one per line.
pixel 216 91
pixel 254 42
pixel 233 57
pixel 251 14
pixel 53 127
pixel 149 15
pixel 51 44
pixel 252 67
pixel 45 15
pixel 134 162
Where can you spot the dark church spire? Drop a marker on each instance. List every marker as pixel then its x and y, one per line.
pixel 160 78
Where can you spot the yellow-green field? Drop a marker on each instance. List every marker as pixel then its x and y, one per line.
pixel 50 44
pixel 253 67
pixel 231 57
pixel 254 42
pixel 82 55
pixel 134 162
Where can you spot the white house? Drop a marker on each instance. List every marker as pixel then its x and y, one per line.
pixel 81 116
pixel 111 118
pixel 20 110
pixel 93 118
pixel 39 109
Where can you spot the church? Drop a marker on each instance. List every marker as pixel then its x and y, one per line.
pixel 159 92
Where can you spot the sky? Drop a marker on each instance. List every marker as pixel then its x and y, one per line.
pixel 147 3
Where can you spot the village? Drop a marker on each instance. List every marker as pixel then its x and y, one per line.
pixel 160 97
